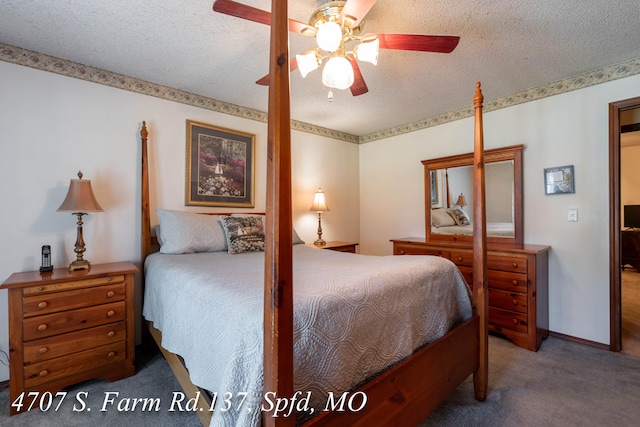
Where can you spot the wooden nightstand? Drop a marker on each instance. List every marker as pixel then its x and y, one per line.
pixel 338 246
pixel 68 327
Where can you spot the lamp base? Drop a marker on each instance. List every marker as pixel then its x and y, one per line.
pixel 80 265
pixel 319 242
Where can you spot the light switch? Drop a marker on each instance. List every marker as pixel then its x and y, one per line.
pixel 572 215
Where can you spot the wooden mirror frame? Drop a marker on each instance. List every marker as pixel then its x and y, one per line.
pixel 513 153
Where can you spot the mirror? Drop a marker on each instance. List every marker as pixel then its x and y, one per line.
pixel 449 196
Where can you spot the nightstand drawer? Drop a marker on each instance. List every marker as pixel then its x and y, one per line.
pixel 507 319
pixel 508 300
pixel 58 301
pixel 61 345
pixel 76 284
pixel 51 370
pixel 72 320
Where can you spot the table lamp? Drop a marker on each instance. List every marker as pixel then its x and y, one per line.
pixel 319 205
pixel 79 201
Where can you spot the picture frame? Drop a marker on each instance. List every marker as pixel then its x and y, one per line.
pixel 220 166
pixel 436 189
pixel 559 180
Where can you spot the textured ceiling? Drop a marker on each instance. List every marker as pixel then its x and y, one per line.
pixel 508 45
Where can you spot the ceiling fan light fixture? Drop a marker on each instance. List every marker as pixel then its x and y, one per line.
pixel 338 73
pixel 308 61
pixel 368 50
pixel 329 36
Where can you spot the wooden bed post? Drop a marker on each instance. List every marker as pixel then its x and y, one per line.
pixel 278 279
pixel 144 190
pixel 480 293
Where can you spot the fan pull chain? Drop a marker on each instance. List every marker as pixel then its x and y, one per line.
pixel 330 96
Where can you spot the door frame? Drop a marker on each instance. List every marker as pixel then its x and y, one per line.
pixel 615 276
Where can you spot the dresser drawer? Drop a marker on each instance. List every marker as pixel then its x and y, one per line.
pixel 409 249
pixel 76 284
pixel 72 320
pixel 61 345
pixel 512 282
pixel 462 258
pixel 505 263
pixel 58 301
pixel 51 370
pixel 507 319
pixel 508 300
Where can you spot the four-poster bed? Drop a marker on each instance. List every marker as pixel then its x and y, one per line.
pixel 411 388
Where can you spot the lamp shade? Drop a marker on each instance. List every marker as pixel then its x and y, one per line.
pixel 319 203
pixel 461 200
pixel 307 62
pixel 368 50
pixel 329 36
pixel 80 197
pixel 338 73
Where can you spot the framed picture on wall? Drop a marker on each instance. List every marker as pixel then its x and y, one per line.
pixel 559 180
pixel 220 166
pixel 436 189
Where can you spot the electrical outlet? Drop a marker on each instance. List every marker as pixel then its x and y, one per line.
pixel 572 215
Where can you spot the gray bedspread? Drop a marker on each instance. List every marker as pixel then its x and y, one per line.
pixel 354 315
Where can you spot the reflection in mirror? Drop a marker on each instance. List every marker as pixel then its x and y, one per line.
pixel 449 204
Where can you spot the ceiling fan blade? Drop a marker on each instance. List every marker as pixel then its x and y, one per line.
pixel 239 10
pixel 356 10
pixel 358 87
pixel 419 42
pixel 264 81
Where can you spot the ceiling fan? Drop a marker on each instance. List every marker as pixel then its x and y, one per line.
pixel 335 25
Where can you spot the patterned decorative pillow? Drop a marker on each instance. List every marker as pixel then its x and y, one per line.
pixel 244 234
pixel 294 234
pixel 441 218
pixel 186 232
pixel 459 216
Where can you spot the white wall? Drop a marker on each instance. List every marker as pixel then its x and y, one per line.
pixel 51 126
pixel 567 129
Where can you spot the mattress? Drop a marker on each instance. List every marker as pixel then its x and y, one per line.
pixel 354 316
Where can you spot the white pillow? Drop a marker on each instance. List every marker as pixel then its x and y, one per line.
pixel 295 238
pixel 441 218
pixel 185 232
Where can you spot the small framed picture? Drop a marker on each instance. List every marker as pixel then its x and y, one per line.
pixel 559 180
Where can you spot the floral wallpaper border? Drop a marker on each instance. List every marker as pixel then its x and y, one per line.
pixel 44 62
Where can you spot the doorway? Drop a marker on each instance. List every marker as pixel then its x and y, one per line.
pixel 615 291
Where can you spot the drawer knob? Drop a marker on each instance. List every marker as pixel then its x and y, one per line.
pixel 401 252
pixel 108 279
pixel 515 265
pixel 42 327
pixel 111 354
pixel 459 259
pixel 41 288
pixel 515 321
pixel 515 282
pixel 43 304
pixel 110 294
pixel 43 373
pixel 43 350
pixel 110 313
pixel 111 334
pixel 515 302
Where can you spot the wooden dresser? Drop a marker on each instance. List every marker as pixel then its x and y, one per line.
pixel 67 327
pixel 517 280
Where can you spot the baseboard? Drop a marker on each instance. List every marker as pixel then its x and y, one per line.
pixel 580 340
